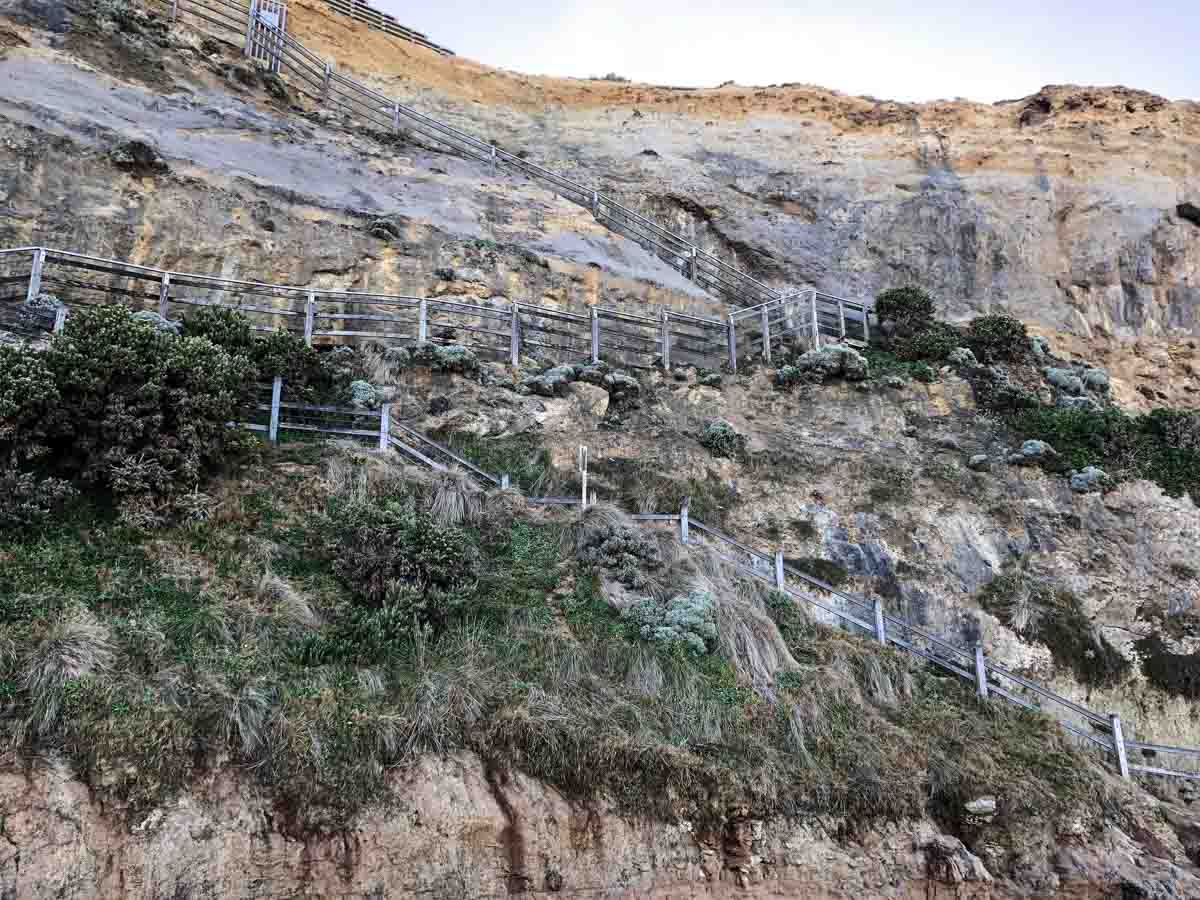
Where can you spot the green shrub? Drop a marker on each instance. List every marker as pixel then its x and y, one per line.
pixel 688 621
pixel 826 570
pixel 722 439
pixel 26 500
pixel 135 397
pixel 225 327
pixel 398 557
pixel 911 308
pixel 998 337
pixel 28 393
pixel 933 343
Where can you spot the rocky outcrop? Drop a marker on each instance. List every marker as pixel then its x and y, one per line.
pixel 460 830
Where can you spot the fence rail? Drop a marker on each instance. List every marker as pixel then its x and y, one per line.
pixel 500 330
pixel 318 79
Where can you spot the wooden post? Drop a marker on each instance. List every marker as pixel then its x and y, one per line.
pixel 422 321
pixel 60 319
pixel 35 276
pixel 595 316
pixel 163 290
pixel 816 322
pixel 842 319
pixel 251 20
pixel 1118 737
pixel 731 339
pixel 494 163
pixel 310 314
pixel 596 204
pixel 981 682
pixel 692 264
pixel 683 521
pixel 866 314
pixel 779 583
pixel 514 339
pixel 385 425
pixel 276 391
pixel 328 77
pixel 504 482
pixel 766 333
pixel 174 11
pixel 665 331
pixel 395 117
pixel 880 628
pixel 583 463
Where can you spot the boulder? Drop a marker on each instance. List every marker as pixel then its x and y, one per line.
pixel 1189 212
pixel 1096 379
pixel 979 462
pixel 1040 346
pixel 1089 480
pixel 138 158
pixel 1033 452
pixel 1065 380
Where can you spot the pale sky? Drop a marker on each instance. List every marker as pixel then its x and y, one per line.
pixel 984 50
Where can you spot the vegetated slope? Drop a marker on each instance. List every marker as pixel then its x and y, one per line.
pixel 1066 207
pixel 322 619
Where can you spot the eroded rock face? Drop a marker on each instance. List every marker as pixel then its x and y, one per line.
pixel 459 831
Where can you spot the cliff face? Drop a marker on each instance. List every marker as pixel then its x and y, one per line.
pixel 459 831
pixel 1066 207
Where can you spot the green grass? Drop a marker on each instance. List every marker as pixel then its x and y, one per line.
pixel 520 456
pixel 198 656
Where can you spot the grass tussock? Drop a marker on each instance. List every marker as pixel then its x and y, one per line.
pixel 370 632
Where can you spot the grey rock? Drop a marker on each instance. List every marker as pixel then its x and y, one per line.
pixel 979 462
pixel 1096 379
pixel 894 381
pixel 1078 403
pixel 1032 452
pixel 981 806
pixel 1065 380
pixel 910 430
pixel 138 158
pixel 1088 480
pixel 710 379
pixel 1039 345
pixel 948 442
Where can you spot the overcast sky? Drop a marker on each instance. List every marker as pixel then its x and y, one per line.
pixel 980 49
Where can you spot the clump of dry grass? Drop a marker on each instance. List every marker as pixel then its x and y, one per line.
pixel 455 498
pixel 75 646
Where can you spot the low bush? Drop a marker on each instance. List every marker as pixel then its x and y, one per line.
pixel 687 621
pixel 911 308
pixel 722 439
pixel 932 343
pixel 826 570
pixel 995 338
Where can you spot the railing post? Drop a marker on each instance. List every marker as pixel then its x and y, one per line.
pixel 514 339
pixel 583 469
pixel 731 339
pixel 395 116
pixel 866 314
pixel 842 319
pixel 504 482
pixel 310 315
pixel 174 11
pixel 1119 744
pixel 596 204
pixel 251 19
pixel 328 77
pixel 164 289
pixel 692 264
pixel 495 163
pixel 595 313
pixel 981 682
pixel 779 583
pixel 35 276
pixel 60 319
pixel 276 391
pixel 665 329
pixel 766 334
pixel 385 425
pixel 422 321
pixel 816 322
pixel 880 627
pixel 683 521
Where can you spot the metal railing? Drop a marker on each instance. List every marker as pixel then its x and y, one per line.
pixel 384 22
pixel 500 330
pixel 1096 730
pixel 318 79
